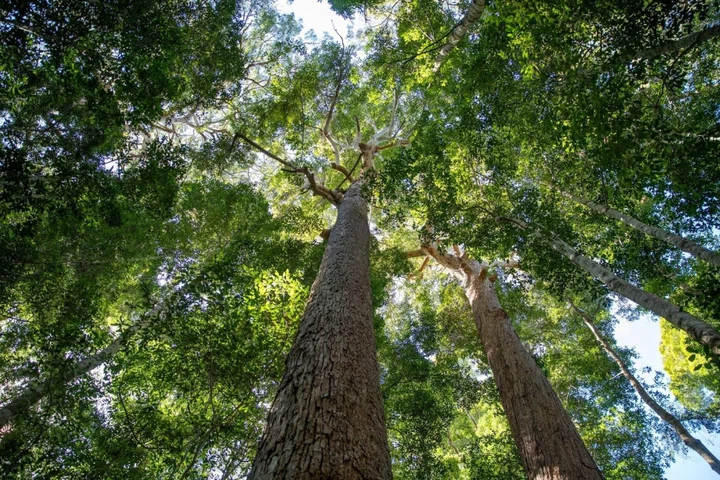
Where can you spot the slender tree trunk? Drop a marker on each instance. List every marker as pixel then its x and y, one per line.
pixel 36 390
pixel 327 418
pixel 549 445
pixel 684 244
pixel 687 41
pixel 682 432
pixel 548 442
pixel 471 16
pixel 696 328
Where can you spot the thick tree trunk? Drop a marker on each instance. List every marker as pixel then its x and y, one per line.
pixel 327 419
pixel 682 432
pixel 471 16
pixel 549 445
pixel 35 390
pixel 684 244
pixel 696 328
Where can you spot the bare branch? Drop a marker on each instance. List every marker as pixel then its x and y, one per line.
pixel 320 189
pixel 268 153
pixel 317 188
pixel 419 273
pixel 342 170
pixel 342 40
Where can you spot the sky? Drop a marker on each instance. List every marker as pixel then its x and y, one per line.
pixel 315 16
pixel 643 334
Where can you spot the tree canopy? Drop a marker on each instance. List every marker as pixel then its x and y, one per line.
pixel 170 172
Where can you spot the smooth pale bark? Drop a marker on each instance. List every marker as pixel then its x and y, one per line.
pixel 696 328
pixel 668 417
pixel 685 42
pixel 549 445
pixel 684 244
pixel 327 418
pixel 471 16
pixel 35 390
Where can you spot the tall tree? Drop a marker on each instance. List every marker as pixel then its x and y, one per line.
pixel 684 244
pixel 327 417
pixel 549 445
pixel 128 132
pixel 687 438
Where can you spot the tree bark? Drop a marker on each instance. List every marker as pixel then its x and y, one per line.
pixel 696 328
pixel 471 16
pixel 687 41
pixel 549 444
pixel 684 244
pixel 36 390
pixel 327 418
pixel 668 417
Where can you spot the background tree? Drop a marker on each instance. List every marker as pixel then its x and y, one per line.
pixel 122 176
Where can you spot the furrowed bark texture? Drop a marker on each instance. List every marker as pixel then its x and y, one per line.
pixel 684 244
pixel 549 445
pixel 471 16
pixel 327 419
pixel 36 391
pixel 696 328
pixel 668 417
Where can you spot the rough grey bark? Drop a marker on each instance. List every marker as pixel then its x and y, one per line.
pixel 668 417
pixel 684 244
pixel 36 390
pixel 471 16
pixel 549 445
pixel 327 418
pixel 687 41
pixel 696 328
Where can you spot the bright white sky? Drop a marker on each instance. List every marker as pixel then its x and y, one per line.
pixel 315 15
pixel 643 335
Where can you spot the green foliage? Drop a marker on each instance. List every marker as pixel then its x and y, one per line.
pixel 693 379
pixel 112 199
pixel 347 8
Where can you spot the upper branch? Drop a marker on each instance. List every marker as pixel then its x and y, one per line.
pixel 471 16
pixel 311 183
pixel 687 41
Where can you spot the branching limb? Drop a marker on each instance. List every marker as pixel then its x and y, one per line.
pixel 319 189
pixel 342 170
pixel 311 184
pixel 422 267
pixel 461 265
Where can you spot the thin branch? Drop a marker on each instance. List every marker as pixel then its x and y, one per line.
pixel 342 170
pixel 352 170
pixel 289 165
pixel 317 188
pixel 419 273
